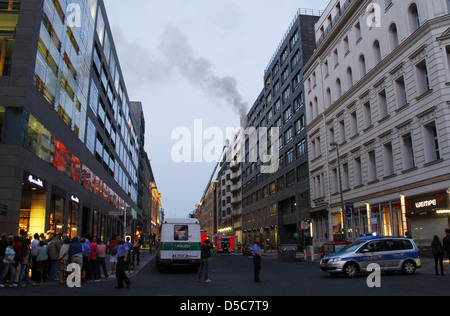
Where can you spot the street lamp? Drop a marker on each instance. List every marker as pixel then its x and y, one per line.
pixel 335 144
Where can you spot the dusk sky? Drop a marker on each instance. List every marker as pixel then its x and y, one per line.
pixel 185 60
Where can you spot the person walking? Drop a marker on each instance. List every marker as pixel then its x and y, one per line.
pixel 446 243
pixel 257 259
pixel 93 260
pixel 122 257
pixel 438 254
pixel 205 255
pixel 8 264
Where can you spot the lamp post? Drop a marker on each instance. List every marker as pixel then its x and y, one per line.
pixel 344 218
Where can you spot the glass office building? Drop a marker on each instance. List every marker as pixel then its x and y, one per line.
pixel 68 144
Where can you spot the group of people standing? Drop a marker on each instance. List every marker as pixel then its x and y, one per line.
pixel 48 258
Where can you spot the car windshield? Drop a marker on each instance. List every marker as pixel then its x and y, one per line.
pixel 353 247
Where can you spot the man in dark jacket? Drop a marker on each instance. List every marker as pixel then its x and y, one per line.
pixel 446 242
pixel 205 255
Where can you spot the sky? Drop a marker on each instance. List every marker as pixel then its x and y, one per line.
pixel 195 65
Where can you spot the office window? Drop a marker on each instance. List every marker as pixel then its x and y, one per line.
pixel 298 102
pixel 345 177
pixel 300 148
pixel 367 114
pixel 287 114
pixel 382 104
pixel 300 124
pixel 388 159
pixel 358 34
pixel 334 181
pixel 362 65
pixel 372 166
pixel 290 156
pixel 431 142
pixel 447 49
pixel 393 36
pixel 423 81
pixel 354 123
pixel 413 16
pixel 90 136
pixel 357 171
pixel 342 136
pixel 408 152
pixel 377 52
pixel 400 91
pixel 346 46
pixel 288 135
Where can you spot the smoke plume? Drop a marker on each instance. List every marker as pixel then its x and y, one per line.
pixel 199 73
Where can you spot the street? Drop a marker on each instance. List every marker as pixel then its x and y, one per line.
pixel 232 275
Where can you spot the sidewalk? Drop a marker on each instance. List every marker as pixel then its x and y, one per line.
pixel 145 258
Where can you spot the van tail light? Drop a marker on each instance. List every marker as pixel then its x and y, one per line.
pixel 196 260
pixel 165 260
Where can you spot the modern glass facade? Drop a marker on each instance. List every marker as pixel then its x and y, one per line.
pixel 68 133
pixel 9 15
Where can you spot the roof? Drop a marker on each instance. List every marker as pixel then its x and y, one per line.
pixel 181 221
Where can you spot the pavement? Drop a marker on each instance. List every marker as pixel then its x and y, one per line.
pixel 145 258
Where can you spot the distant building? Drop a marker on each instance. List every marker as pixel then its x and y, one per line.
pixel 274 204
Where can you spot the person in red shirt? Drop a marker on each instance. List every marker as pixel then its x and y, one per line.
pixel 93 261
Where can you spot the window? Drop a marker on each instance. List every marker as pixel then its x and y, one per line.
pixel 354 123
pixel 372 165
pixel 346 47
pixel 423 81
pixel 290 156
pixel 349 77
pixel 338 88
pixel 388 159
pixel 345 177
pixel 300 148
pixel 357 171
pixel 413 15
pixel 408 152
pixel 400 91
pixel 334 181
pixel 377 52
pixel 288 135
pixel 336 57
pixel 382 104
pixel 431 142
pixel 393 36
pixel 358 31
pixel 181 232
pixel 287 114
pixel 290 178
pixel 342 136
pixel 362 65
pixel 300 124
pixel 447 49
pixel 367 115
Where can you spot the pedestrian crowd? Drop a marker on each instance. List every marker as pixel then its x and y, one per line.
pixel 48 258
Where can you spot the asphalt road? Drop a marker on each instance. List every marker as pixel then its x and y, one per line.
pixel 232 276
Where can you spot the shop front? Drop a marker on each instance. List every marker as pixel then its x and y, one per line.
pixel 428 215
pixel 33 204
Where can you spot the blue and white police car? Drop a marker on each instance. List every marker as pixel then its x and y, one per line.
pixel 390 253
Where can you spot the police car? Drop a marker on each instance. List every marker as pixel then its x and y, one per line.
pixel 390 253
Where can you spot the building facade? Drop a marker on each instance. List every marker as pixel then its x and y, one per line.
pixel 273 204
pixel 69 147
pixel 378 120
pixel 229 192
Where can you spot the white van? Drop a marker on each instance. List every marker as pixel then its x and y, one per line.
pixel 179 243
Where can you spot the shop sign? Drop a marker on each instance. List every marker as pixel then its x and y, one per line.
pixel 427 203
pixel 34 180
pixel 75 199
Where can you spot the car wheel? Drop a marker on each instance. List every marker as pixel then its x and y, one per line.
pixel 351 270
pixel 409 267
